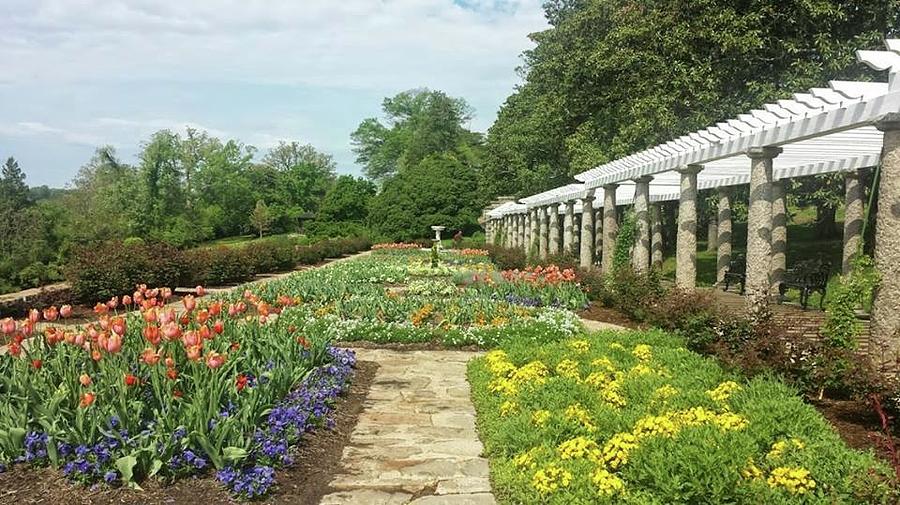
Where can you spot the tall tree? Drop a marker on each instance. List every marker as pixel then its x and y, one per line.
pixel 612 77
pixel 13 190
pixel 303 175
pixel 418 123
pixel 347 200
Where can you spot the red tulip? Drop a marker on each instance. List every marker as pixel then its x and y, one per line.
pixel 87 400
pixel 14 349
pixel 171 373
pixel 65 311
pixel 219 326
pixel 215 308
pixel 131 380
pixel 241 382
pixel 177 394
pixel 36 363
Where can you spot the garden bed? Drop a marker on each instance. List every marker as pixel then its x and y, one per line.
pixel 633 417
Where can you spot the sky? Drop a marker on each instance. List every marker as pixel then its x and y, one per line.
pixel 77 74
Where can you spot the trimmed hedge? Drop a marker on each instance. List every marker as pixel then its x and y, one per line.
pixel 115 268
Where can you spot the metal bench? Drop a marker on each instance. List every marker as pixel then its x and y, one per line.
pixel 810 276
pixel 736 272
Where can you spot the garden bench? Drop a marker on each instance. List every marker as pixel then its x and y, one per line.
pixel 808 277
pixel 736 272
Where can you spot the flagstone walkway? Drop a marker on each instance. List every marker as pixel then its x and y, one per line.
pixel 415 441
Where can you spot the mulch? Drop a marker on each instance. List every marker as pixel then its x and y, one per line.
pixel 597 312
pixel 856 422
pixel 306 482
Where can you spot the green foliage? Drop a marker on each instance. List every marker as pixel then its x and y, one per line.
pixel 607 79
pixel 625 242
pixel 261 217
pixel 607 386
pixel 347 201
pixel 437 191
pixel 846 295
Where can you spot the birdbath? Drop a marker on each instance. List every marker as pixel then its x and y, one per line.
pixel 437 233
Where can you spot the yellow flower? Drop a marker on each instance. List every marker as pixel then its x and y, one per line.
pixel 608 484
pixel 612 395
pixel 503 386
pixel 728 421
pixel 579 414
pixel 617 346
pixel 751 471
pixel 534 373
pixel 654 425
pixel 508 407
pixel 695 416
pixel 780 447
pixel 568 368
pixel 604 363
pixel 642 352
pixel 639 370
pixel 723 391
pixel 615 451
pixel 579 447
pixel 526 460
pixel 664 393
pixel 580 346
pixel 540 417
pixel 795 480
pixel 597 379
pixel 550 478
pixel 498 363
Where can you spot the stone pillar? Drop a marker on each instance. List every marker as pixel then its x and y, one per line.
pixel 553 244
pixel 854 216
pixel 779 235
pixel 610 227
pixel 759 227
pixel 586 254
pixel 576 235
pixel 544 241
pixel 641 254
pixel 686 239
pixel 712 234
pixel 522 231
pixel 535 245
pixel 723 254
pixel 569 227
pixel 886 306
pixel 598 234
pixel 656 237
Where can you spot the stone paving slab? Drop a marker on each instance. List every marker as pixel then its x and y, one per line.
pixel 415 441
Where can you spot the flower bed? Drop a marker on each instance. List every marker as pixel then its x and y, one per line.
pixel 225 387
pixel 635 418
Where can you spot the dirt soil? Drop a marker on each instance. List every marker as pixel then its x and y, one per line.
pixel 306 482
pixel 597 312
pixel 856 422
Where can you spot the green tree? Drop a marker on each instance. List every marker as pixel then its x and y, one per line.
pixel 13 190
pixel 418 123
pixel 298 176
pixel 439 190
pixel 261 217
pixel 612 77
pixel 347 201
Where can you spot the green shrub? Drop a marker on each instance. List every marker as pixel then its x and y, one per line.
pixel 217 266
pixel 270 255
pixel 506 258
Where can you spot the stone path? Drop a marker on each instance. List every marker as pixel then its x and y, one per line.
pixel 591 325
pixel 415 441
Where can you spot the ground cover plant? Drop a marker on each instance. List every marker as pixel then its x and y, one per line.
pixel 154 392
pixel 634 417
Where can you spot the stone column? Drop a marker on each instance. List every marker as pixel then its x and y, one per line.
pixel 723 254
pixel 535 245
pixel 641 254
pixel 759 227
pixel 779 235
pixel 553 245
pixel 686 239
pixel 886 306
pixel 610 227
pixel 569 227
pixel 586 254
pixel 712 234
pixel 656 237
pixel 522 231
pixel 854 215
pixel 576 235
pixel 544 241
pixel 598 234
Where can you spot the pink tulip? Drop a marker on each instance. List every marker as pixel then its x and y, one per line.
pixel 215 360
pixel 138 297
pixel 193 352
pixel 191 338
pixel 189 303
pixel 8 326
pixel 79 338
pixel 114 344
pixel 51 314
pixel 200 290
pixel 167 316
pixel 28 328
pixel 113 303
pixel 65 311
pixel 34 316
pixel 126 300
pixel 118 326
pixel 171 331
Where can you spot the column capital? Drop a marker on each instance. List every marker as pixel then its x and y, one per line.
pixel 588 194
pixel 588 198
pixel 610 187
pixel 765 152
pixel 692 169
pixel 888 122
pixel 852 174
pixel 645 179
pixel 570 204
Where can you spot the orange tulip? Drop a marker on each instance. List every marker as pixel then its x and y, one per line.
pixel 151 333
pixel 150 356
pixel 171 373
pixel 189 302
pixel 202 316
pixel 85 380
pixel 100 308
pixel 87 400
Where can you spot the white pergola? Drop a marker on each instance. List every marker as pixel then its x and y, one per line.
pixel 839 128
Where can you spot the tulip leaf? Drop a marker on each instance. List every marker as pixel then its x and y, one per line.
pixel 155 467
pixel 125 466
pixel 234 453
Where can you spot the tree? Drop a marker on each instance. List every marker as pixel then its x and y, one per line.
pixel 347 201
pixel 612 77
pixel 13 190
pixel 299 177
pixel 419 123
pixel 261 218
pixel 437 191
